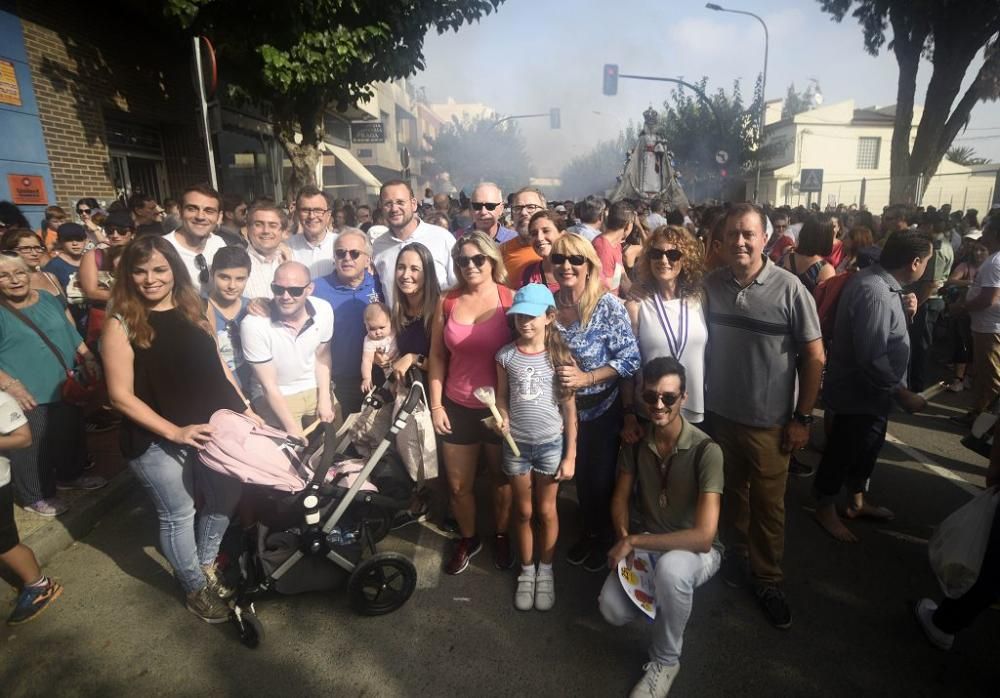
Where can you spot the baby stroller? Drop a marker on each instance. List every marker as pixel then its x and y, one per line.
pixel 319 513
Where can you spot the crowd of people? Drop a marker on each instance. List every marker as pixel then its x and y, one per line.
pixel 668 362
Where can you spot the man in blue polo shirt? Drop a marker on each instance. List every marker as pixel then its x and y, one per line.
pixel 349 289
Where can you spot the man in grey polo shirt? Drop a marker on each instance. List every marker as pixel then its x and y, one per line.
pixel 763 334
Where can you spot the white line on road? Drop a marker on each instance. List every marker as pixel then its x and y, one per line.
pixel 427 559
pixel 927 463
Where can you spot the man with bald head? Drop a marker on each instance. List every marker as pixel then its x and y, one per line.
pixel 349 290
pixel 487 210
pixel 289 351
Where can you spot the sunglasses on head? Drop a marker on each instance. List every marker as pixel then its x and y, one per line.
pixel 342 254
pixel 673 256
pixel 199 260
pixel 478 259
pixel 293 291
pixel 577 260
pixel 480 205
pixel 651 398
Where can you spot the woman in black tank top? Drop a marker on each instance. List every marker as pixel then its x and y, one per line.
pixel 166 377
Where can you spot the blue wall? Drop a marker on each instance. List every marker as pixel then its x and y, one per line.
pixel 22 145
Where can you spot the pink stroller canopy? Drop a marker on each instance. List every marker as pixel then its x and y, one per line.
pixel 251 454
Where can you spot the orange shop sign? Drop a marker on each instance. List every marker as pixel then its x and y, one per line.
pixel 10 93
pixel 27 190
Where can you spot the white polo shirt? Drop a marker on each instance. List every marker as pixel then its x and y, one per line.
pixel 212 245
pixel 293 355
pixel 11 418
pixel 319 258
pixel 435 238
pixel 261 274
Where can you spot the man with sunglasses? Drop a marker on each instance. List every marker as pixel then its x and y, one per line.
pixel 290 353
pixel 399 207
pixel 201 210
pixel 313 246
pixel 487 211
pixel 349 290
pixel 675 474
pixel 266 228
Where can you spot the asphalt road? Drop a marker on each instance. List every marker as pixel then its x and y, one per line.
pixel 120 627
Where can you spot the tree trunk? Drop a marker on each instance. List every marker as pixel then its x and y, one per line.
pixel 907 44
pixel 305 118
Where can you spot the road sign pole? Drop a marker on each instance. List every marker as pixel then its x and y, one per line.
pixel 203 103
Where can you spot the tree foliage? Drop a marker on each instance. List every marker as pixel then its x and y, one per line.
pixel 302 57
pixel 949 34
pixel 797 102
pixel 964 155
pixel 472 151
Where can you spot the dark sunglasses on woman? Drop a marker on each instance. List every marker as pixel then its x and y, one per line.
pixel 478 259
pixel 656 254
pixel 577 260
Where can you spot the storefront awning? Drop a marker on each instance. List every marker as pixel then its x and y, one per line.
pixel 354 165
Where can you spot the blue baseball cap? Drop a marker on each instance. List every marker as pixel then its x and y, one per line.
pixel 532 300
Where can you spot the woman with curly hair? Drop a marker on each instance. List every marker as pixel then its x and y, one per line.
pixel 668 319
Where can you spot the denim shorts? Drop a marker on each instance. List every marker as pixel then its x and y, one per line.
pixel 541 458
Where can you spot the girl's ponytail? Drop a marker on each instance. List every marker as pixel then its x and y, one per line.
pixel 559 353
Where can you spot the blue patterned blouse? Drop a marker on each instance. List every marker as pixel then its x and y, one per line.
pixel 606 341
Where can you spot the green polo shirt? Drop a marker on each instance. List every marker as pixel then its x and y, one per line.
pixel 686 480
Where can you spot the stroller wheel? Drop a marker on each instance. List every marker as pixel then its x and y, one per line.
pixel 251 629
pixel 381 584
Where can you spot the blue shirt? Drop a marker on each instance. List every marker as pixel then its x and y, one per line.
pixel 503 233
pixel 348 320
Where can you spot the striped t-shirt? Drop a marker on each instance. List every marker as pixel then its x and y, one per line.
pixel 534 413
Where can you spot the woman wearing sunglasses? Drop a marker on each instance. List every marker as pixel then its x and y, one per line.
pixel 544 228
pixel 85 210
pixel 597 330
pixel 28 245
pixel 469 328
pixel 668 320
pixel 97 272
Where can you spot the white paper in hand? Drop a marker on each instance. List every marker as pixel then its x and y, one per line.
pixel 637 575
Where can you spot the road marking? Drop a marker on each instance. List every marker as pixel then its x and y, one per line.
pixel 927 463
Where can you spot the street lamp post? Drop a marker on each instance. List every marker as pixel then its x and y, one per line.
pixel 763 88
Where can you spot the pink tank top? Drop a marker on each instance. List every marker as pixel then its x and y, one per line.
pixel 472 355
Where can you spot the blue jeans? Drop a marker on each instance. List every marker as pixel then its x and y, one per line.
pixel 541 458
pixel 167 471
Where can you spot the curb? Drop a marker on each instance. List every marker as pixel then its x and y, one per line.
pixel 80 520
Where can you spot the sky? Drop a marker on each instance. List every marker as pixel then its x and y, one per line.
pixel 532 55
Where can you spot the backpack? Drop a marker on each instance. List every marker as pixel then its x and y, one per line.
pixel 827 295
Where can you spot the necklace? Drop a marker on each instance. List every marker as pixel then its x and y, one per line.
pixel 676 341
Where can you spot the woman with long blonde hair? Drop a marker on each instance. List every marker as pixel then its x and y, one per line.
pixel 166 377
pixel 597 331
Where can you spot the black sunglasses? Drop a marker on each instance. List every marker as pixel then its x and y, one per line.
pixel 342 254
pixel 82 211
pixel 478 259
pixel 293 291
pixel 674 256
pixel 651 397
pixel 480 205
pixel 577 260
pixel 199 260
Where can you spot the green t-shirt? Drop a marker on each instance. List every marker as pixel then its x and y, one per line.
pixel 687 479
pixel 25 356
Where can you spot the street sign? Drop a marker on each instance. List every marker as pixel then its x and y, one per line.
pixel 722 157
pixel 811 181
pixel 367 132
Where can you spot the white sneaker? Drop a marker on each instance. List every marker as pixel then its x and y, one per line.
pixel 657 681
pixel 925 616
pixel 524 597
pixel 545 592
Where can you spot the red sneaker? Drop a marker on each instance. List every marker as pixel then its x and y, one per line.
pixel 465 550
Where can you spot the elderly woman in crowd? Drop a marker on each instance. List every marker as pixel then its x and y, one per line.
pixel 167 378
pixel 33 375
pixel 668 319
pixel 28 245
pixel 597 329
pixel 544 228
pixel 469 328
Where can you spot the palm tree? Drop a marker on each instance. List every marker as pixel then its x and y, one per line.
pixel 965 156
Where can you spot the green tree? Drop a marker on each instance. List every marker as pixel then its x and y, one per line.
pixel 302 57
pixel 964 155
pixel 950 35
pixel 597 171
pixel 797 102
pixel 472 151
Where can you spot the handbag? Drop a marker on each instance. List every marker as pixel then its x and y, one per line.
pixel 76 389
pixel 957 548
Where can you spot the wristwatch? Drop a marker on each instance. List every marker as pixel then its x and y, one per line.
pixel 804 419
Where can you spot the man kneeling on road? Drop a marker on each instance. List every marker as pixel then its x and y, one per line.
pixel 290 353
pixel 680 475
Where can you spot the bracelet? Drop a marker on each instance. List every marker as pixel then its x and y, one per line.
pixel 439 407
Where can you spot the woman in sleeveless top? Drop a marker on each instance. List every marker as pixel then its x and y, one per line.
pixel 165 375
pixel 544 228
pixel 807 261
pixel 417 295
pixel 469 328
pixel 668 319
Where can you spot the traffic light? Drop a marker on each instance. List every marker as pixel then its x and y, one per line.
pixel 610 79
pixel 555 120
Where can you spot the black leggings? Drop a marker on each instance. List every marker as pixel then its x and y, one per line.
pixel 597 443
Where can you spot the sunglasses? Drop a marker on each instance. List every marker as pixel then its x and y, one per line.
pixel 121 232
pixel 342 254
pixel 673 256
pixel 83 211
pixel 577 260
pixel 480 205
pixel 293 291
pixel 478 259
pixel 651 398
pixel 199 260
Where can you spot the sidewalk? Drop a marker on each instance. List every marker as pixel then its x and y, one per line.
pixel 49 536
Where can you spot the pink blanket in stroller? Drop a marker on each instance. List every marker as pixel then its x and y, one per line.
pixel 257 455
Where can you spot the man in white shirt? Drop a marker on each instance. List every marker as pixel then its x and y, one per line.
pixel 400 207
pixel 655 219
pixel 201 210
pixel 313 246
pixel 266 228
pixel 290 353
